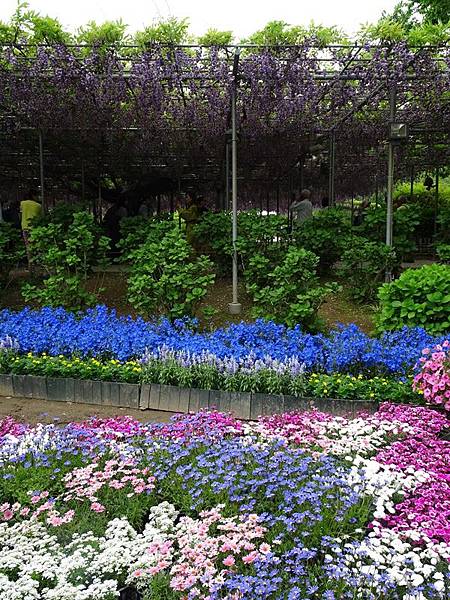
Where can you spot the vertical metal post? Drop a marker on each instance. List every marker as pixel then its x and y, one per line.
pixel 331 167
pixel 234 307
pixel 227 176
pixel 390 179
pixel 41 168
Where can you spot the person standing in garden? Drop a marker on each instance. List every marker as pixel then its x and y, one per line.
pixel 30 209
pixel 191 214
pixel 301 209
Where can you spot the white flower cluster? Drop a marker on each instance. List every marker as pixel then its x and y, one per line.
pixel 381 482
pixel 384 559
pixel 35 566
pixel 361 436
pixel 37 440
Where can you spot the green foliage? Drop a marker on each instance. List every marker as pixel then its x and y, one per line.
pixel 12 250
pixel 443 220
pixel 109 33
pixel 433 11
pixel 443 251
pixel 340 385
pixel 406 223
pixel 325 234
pixel 290 292
pixel 419 297
pixel 29 25
pixel 165 278
pixel 170 31
pixel 214 37
pixel 364 264
pixel 277 33
pixel 265 235
pixel 67 256
pixel 135 231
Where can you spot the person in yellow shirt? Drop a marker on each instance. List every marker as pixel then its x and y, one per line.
pixel 29 209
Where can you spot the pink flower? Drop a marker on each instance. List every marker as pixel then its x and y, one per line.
pixel 24 512
pixel 250 558
pixel 229 561
pixel 97 507
pixel 264 548
pixel 7 515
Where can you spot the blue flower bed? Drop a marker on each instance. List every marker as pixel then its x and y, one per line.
pixel 100 332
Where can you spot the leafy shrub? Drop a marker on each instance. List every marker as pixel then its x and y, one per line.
pixel 290 292
pixel 12 250
pixel 433 381
pixel 406 222
pixel 364 264
pixel 443 220
pixel 67 256
pixel 265 235
pixel 419 297
pixel 325 235
pixel 135 231
pixel 443 251
pixel 166 278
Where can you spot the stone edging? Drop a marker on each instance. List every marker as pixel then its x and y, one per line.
pixel 170 398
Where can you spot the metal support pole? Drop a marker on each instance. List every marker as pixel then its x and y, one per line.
pixel 227 177
pixel 41 168
pixel 234 307
pixel 390 179
pixel 331 167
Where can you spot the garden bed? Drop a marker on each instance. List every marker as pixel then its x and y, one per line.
pixel 292 506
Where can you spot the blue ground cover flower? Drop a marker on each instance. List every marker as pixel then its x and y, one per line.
pixel 100 332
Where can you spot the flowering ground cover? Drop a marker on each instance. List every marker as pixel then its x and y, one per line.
pixel 294 506
pixel 101 333
pixel 249 357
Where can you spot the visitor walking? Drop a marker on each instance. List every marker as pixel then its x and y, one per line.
pixel 191 214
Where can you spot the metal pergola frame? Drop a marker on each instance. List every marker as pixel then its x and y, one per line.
pixel 356 55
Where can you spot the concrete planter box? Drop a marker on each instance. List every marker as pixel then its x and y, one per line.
pixel 61 389
pixel 198 399
pixel 88 391
pixel 29 386
pixel 174 399
pixel 241 404
pixel 6 385
pixel 171 398
pixel 266 404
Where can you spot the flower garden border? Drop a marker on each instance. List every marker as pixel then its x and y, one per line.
pixel 168 398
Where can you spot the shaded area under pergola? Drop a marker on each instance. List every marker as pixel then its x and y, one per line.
pixel 262 120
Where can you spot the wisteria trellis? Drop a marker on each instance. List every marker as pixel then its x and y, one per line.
pixel 126 106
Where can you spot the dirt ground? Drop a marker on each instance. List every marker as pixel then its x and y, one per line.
pixel 32 411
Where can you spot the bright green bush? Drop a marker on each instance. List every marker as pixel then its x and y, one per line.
pixel 363 267
pixel 135 231
pixel 443 251
pixel 167 278
pixel 406 223
pixel 418 298
pixel 288 293
pixel 66 255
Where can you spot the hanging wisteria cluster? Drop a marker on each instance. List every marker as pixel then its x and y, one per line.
pixel 172 104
